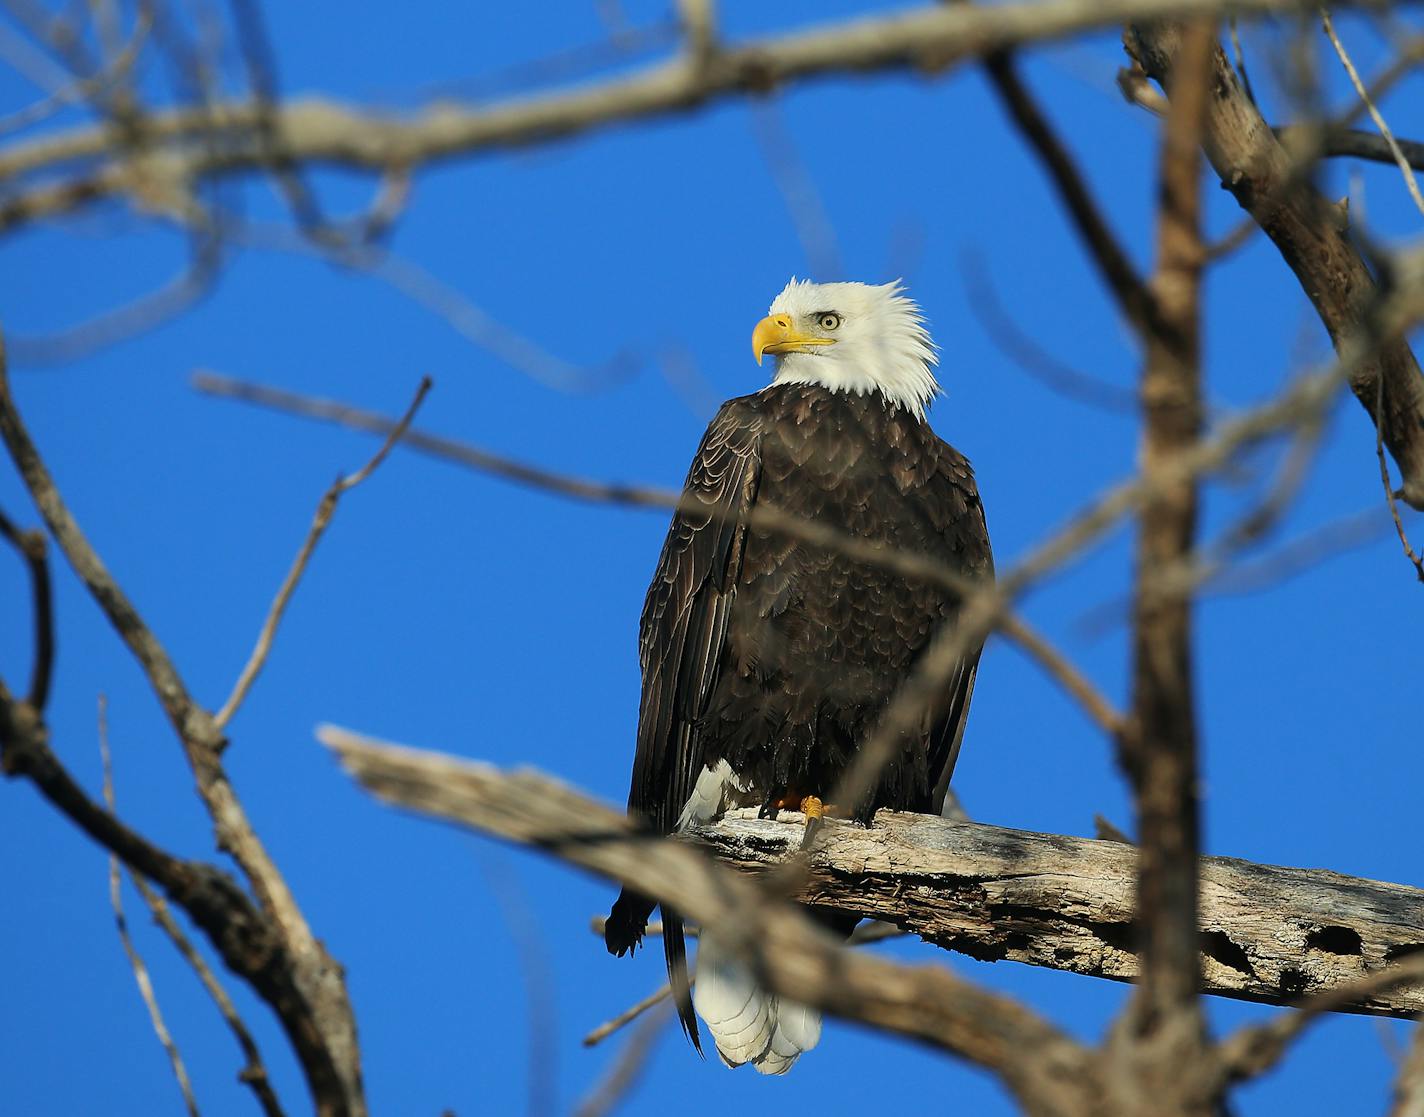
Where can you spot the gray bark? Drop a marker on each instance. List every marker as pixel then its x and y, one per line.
pixel 1269 933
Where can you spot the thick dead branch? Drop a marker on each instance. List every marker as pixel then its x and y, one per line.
pixel 1046 1070
pixel 1262 175
pixel 1268 933
pixel 186 145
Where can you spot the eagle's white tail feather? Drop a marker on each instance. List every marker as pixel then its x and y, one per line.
pixel 748 1024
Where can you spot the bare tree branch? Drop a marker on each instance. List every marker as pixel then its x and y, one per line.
pixel 1028 354
pixel 1389 495
pixel 798 190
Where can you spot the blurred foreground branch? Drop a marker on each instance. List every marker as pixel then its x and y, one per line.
pixel 76 168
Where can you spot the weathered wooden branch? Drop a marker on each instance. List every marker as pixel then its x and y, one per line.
pixel 1266 180
pixel 1269 933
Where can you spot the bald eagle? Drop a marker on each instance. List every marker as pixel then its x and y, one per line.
pixel 767 662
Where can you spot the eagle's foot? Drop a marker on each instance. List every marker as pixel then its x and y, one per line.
pixel 816 813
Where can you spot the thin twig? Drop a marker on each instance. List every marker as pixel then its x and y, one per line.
pixel 254 1074
pixel 32 548
pixel 1385 480
pixel 542 1017
pixel 1352 143
pixel 1298 555
pixel 1104 830
pixel 1410 182
pixel 1238 58
pixel 325 509
pixel 627 1016
pixel 180 293
pixel 1408 1099
pixel 85 88
pixel 140 970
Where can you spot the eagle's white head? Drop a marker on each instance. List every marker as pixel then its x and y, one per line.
pixel 851 337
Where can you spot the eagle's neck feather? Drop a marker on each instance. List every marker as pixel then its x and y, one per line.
pixel 904 379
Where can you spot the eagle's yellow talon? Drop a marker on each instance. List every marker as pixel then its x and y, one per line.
pixel 812 807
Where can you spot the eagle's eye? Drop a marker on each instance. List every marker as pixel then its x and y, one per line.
pixel 829 320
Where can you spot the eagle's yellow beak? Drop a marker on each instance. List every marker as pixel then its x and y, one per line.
pixel 775 334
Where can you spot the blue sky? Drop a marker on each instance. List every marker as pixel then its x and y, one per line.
pixel 453 611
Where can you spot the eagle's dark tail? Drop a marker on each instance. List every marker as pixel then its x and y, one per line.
pixel 675 948
pixel 623 931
